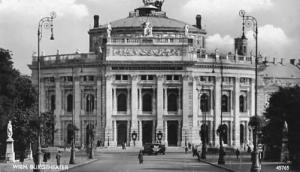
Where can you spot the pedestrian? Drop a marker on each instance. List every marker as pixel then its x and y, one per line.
pixel 124 145
pixel 186 149
pixel 237 153
pixel 249 149
pixel 58 156
pixel 140 157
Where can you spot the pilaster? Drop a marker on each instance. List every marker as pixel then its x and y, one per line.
pixel 195 129
pixel 159 104
pixel 108 110
pixel 99 112
pixel 134 106
pixel 77 109
pixel 236 124
pixel 217 115
pixel 185 108
pixel 57 113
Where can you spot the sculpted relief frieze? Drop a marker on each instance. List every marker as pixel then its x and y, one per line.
pixel 146 52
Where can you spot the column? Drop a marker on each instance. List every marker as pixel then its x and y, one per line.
pixel 134 106
pixel 252 111
pixel 159 104
pixel 115 101
pixel 179 133
pixel 108 103
pixel 77 109
pixel 140 132
pixel 115 132
pixel 140 107
pixel 179 101
pixel 57 112
pixel 185 108
pixel 217 115
pixel 166 100
pixel 153 101
pixel 236 126
pixel 99 112
pixel 128 101
pixel 195 128
pixel 166 133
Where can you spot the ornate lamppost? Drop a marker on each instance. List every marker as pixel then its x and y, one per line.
pixel 251 21
pixel 46 23
pixel 134 136
pixel 159 136
pixel 72 156
pixel 221 129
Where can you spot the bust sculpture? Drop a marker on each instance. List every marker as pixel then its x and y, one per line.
pixel 9 130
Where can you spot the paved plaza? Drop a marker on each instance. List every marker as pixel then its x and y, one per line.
pixel 128 162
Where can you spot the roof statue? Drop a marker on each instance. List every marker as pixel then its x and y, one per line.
pixel 186 30
pixel 109 29
pixel 156 3
pixel 148 29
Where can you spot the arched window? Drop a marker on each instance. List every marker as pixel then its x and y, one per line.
pixel 172 102
pixel 90 103
pixel 52 103
pixel 242 103
pixel 147 102
pixel 241 134
pixel 70 103
pixel 122 102
pixel 225 103
pixel 69 133
pixel 204 103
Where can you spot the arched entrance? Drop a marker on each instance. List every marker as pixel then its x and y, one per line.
pixel 121 132
pixel 172 133
pixel 242 129
pixel 147 131
pixel 88 134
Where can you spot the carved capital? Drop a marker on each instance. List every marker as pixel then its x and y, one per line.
pixel 160 77
pixel 134 77
pixel 109 77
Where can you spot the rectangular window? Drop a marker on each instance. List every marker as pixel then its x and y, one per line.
pixel 125 77
pixel 176 77
pixel 144 77
pixel 169 77
pixel 118 77
pixel 91 78
pixel 150 77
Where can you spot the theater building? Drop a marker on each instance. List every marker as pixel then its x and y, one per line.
pixel 148 74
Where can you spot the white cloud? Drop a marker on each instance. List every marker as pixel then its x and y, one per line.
pixel 225 8
pixel 272 41
pixel 42 7
pixel 223 44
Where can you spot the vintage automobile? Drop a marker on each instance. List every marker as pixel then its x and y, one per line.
pixel 154 149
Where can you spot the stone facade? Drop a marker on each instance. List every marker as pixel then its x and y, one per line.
pixel 159 82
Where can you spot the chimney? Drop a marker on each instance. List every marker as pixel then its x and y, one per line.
pixel 96 21
pixel 198 21
pixel 292 61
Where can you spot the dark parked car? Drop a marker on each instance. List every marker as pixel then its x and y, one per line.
pixel 150 149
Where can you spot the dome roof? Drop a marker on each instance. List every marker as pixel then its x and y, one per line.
pixel 280 71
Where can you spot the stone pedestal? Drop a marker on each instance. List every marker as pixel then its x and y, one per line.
pixel 29 155
pixel 10 153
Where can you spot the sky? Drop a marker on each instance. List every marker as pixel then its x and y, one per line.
pixel 278 24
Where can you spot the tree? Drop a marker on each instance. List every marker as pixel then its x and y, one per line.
pixel 284 106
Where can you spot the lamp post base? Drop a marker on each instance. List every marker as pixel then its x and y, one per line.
pixel 203 153
pixel 72 157
pixel 256 165
pixel 221 159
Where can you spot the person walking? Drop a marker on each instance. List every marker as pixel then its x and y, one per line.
pixel 237 153
pixel 140 157
pixel 58 156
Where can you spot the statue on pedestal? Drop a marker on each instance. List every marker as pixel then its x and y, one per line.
pixel 10 153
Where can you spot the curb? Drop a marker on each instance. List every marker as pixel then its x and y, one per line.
pixel 215 165
pixel 81 164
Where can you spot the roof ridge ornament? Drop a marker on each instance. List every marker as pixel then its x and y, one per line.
pixel 156 3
